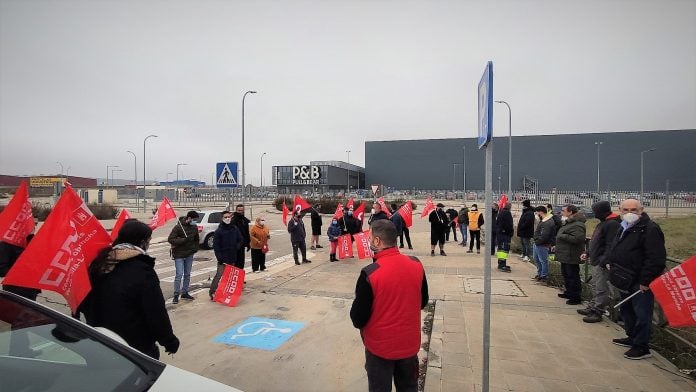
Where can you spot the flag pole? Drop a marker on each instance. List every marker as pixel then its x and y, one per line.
pixel 627 298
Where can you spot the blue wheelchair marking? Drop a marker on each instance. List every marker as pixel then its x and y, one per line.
pixel 261 333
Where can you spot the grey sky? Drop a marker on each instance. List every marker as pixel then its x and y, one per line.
pixel 81 82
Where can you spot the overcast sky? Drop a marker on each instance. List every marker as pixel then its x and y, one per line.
pixel 82 82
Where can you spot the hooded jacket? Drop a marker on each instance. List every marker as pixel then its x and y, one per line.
pixel 334 231
pixel 227 241
pixel 570 239
pixel 504 226
pixel 126 298
pixel 184 239
pixel 525 227
pixel 640 248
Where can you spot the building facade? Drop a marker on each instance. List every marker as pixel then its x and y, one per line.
pixel 319 177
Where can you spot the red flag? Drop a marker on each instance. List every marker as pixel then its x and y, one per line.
pixel 406 212
pixel 58 257
pixel 676 293
pixel 230 287
pixel 384 206
pixel 359 214
pixel 345 246
pixel 362 243
pixel 503 201
pixel 122 217
pixel 428 207
pixel 350 203
pixel 339 211
pixel 164 213
pixel 300 204
pixel 16 220
pixel 285 213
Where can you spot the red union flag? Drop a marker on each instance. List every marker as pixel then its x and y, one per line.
pixel 345 246
pixel 362 243
pixel 58 257
pixel 350 203
pixel 503 200
pixel 675 290
pixel 122 217
pixel 359 214
pixel 406 212
pixel 384 206
pixel 164 213
pixel 285 213
pixel 230 287
pixel 300 204
pixel 428 207
pixel 339 211
pixel 16 220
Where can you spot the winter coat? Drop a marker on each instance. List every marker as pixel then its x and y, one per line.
pixel 126 298
pixel 463 217
pixel 452 214
pixel 259 236
pixel 545 233
pixel 438 221
pixel 184 239
pixel 504 226
pixel 333 232
pixel 640 248
pixel 398 223
pixel 227 241
pixel 525 227
pixel 242 224
pixel 570 240
pixel 297 230
pixel 377 216
pixel 602 238
pixel 316 220
pixel 349 225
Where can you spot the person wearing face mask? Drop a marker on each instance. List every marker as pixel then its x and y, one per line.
pixel 638 250
pixel 570 244
pixel 260 234
pixel 298 236
pixel 126 296
pixel 184 239
pixel 333 232
pixel 475 225
pixel 227 241
pixel 242 223
pixel 389 296
pixel 376 213
pixel 349 224
pixel 544 239
pixel 439 224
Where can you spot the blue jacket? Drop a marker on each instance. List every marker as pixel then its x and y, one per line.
pixel 227 241
pixel 333 232
pixel 398 222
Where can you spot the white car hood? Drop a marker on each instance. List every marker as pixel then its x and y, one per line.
pixel 175 379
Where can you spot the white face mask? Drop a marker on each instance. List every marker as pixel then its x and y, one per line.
pixel 227 220
pixel 473 208
pixel 630 218
pixel 263 222
pixel 564 218
pixel 372 211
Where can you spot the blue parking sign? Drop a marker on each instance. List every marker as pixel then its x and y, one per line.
pixel 261 333
pixel 485 106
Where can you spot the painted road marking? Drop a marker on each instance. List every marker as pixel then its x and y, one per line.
pixel 260 333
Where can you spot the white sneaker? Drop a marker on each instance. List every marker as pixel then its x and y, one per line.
pixel 525 258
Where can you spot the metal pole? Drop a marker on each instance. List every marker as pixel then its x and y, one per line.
pixel 262 171
pixel 348 175
pixel 177 179
pixel 454 171
pixel 243 165
pixel 509 147
pixel 464 170
pixel 487 217
pixel 667 199
pixel 641 170
pixel 135 179
pixel 144 175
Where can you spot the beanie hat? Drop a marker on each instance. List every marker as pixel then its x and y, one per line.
pixel 601 209
pixel 526 203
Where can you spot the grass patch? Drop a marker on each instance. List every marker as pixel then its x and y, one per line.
pixel 679 236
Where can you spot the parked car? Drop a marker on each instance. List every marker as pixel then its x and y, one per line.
pixel 44 350
pixel 589 214
pixel 207 223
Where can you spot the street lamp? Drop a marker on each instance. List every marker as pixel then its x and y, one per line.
pixel 135 179
pixel 61 168
pixel 598 144
pixel 107 173
pixel 454 171
pixel 464 170
pixel 243 165
pixel 348 174
pixel 262 171
pixel 112 174
pixel 144 174
pixel 67 172
pixel 167 175
pixel 500 175
pixel 509 147
pixel 641 170
pixel 177 179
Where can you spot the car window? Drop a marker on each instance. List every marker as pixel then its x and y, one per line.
pixel 215 217
pixel 41 352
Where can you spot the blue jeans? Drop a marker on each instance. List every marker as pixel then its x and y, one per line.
pixel 526 246
pixel 637 316
pixel 183 267
pixel 541 258
pixel 463 229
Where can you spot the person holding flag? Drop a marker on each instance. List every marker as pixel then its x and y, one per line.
pixel 377 213
pixel 8 256
pixel 637 257
pixel 398 222
pixel 298 236
pixel 184 239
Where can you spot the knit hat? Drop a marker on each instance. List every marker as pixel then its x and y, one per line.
pixel 440 205
pixel 601 209
pixel 192 215
pixel 526 203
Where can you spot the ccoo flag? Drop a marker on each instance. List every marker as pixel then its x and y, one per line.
pixel 300 204
pixel 122 217
pixel 675 290
pixel 164 213
pixel 428 207
pixel 406 212
pixel 16 220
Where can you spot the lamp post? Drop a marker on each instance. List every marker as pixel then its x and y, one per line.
pixel 145 174
pixel 641 170
pixel 107 173
pixel 61 168
pixel 348 174
pixel 67 172
pixel 135 179
pixel 262 171
pixel 177 179
pixel 464 170
pixel 243 165
pixel 500 175
pixel 509 147
pixel 167 175
pixel 112 174
pixel 598 144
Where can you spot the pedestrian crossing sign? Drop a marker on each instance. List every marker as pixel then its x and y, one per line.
pixel 226 174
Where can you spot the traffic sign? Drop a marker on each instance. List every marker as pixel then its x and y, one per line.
pixel 226 174
pixel 485 106
pixel 261 333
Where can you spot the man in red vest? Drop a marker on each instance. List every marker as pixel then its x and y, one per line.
pixel 389 296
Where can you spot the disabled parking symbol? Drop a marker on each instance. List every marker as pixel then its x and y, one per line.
pixel 261 333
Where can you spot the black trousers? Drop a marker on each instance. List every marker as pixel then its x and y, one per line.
pixel 405 232
pixel 453 229
pixel 475 235
pixel 302 246
pixel 380 372
pixel 239 263
pixel 571 279
pixel 258 260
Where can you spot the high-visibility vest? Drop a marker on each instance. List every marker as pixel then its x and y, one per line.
pixel 473 220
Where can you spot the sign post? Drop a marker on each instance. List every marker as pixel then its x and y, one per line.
pixel 226 174
pixel 485 133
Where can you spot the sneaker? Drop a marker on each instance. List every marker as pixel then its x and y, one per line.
pixel 312 247
pixel 593 317
pixel 507 268
pixel 432 253
pixel 319 246
pixel 442 253
pixel 212 299
pixel 478 252
pixel 297 262
pixel 401 246
pixel 585 312
pixel 410 247
pixel 187 296
pixel 623 342
pixel 176 299
pixel 637 353
pixel 469 251
pixel 563 295
pixel 543 280
pixel 525 258
pixel 573 302
pixel 536 277
pixel 307 261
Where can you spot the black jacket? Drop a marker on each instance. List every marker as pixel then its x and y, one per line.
pixel 316 219
pixel 602 238
pixel 438 221
pixel 227 242
pixel 377 216
pixel 640 248
pixel 452 214
pixel 545 233
pixel 128 300
pixel 525 227
pixel 297 230
pixel 184 239
pixel 503 225
pixel 349 224
pixel 242 224
pixel 398 222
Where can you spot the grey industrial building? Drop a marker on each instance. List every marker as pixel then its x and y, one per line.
pixel 319 176
pixel 565 162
